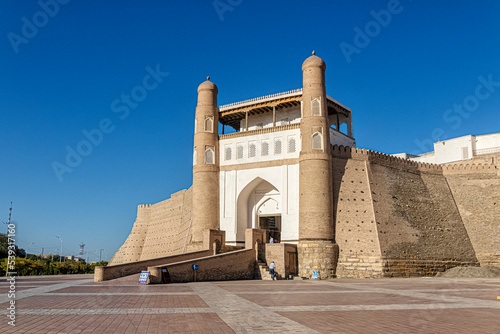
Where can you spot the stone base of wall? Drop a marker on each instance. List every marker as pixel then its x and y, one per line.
pixel 317 255
pixel 377 267
pixel 360 266
pixel 489 259
pixel 419 268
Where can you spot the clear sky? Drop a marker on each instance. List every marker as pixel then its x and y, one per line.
pixel 412 72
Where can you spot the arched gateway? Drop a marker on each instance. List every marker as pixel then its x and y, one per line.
pixel 259 206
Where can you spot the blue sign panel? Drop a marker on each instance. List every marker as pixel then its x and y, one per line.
pixel 315 275
pixel 143 279
pixel 195 267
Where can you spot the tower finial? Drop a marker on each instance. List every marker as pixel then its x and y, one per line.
pixel 314 53
pixel 208 78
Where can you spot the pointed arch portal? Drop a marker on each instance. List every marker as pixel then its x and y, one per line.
pixel 259 206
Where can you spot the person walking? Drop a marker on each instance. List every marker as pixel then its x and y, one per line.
pixel 272 266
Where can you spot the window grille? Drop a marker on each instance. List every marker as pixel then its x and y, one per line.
pixel 228 153
pixel 291 145
pixel 265 148
pixel 252 150
pixel 277 146
pixel 316 107
pixel 209 156
pixel 209 124
pixel 239 152
pixel 317 141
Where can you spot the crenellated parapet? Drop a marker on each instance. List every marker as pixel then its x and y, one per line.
pixel 470 167
pixel 383 159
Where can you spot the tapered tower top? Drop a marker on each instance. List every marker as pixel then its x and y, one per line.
pixel 314 61
pixel 207 85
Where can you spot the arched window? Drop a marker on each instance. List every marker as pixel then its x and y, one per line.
pixel 209 124
pixel 316 107
pixel 291 145
pixel 228 153
pixel 265 148
pixel 209 156
pixel 317 141
pixel 239 152
pixel 277 146
pixel 252 150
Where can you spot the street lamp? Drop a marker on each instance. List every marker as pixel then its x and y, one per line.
pixel 60 256
pixel 26 253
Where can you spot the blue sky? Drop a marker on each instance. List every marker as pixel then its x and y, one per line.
pixel 66 72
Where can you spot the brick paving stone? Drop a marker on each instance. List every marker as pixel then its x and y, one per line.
pixel 274 287
pixel 244 316
pixel 484 294
pixel 43 289
pixel 5 290
pixel 465 321
pixel 76 304
pixel 125 289
pixel 359 298
pixel 48 301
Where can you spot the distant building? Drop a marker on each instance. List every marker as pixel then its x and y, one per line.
pixel 459 149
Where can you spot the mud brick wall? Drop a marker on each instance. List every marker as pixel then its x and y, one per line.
pixel 228 266
pixel 355 228
pixel 125 269
pixel 161 229
pixel 417 220
pixel 395 217
pixel 476 189
pixel 280 254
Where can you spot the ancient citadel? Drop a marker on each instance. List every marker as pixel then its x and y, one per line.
pixel 292 171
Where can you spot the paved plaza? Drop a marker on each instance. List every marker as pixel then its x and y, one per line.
pixel 75 304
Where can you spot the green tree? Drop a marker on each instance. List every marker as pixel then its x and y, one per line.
pixel 96 264
pixel 3 246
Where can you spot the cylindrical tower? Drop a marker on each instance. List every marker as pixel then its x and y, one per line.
pixel 316 248
pixel 205 163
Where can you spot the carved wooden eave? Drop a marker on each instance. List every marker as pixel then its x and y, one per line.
pixel 233 113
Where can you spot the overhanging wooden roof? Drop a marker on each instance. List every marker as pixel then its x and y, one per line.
pixel 233 113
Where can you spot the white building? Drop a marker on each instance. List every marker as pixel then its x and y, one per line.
pixel 268 139
pixel 457 149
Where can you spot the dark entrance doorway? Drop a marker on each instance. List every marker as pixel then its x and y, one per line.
pixel 272 224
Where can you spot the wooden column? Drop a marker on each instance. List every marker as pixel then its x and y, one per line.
pixel 274 116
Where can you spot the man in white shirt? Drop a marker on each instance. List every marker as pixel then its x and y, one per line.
pixel 271 241
pixel 271 268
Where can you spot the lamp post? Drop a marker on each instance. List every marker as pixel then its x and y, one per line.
pixel 60 256
pixel 26 253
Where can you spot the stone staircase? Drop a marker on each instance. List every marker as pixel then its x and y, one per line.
pixel 262 272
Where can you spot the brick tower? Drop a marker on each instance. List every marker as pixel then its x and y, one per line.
pixel 316 248
pixel 205 163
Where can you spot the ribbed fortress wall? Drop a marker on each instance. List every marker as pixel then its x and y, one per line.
pixel 355 223
pixel 160 230
pixel 476 189
pixel 395 217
